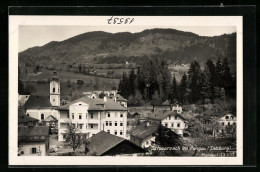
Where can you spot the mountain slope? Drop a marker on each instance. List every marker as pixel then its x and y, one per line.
pixel 105 47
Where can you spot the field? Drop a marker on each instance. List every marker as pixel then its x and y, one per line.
pixel 41 85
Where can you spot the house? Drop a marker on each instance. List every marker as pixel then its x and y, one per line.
pixel 24 120
pixel 42 106
pixel 170 119
pixel 165 106
pixel 226 118
pixel 206 117
pixel 143 134
pixel 93 115
pixel 106 144
pixel 33 141
pixel 50 121
pixel 121 100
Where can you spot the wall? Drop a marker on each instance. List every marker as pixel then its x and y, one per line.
pixel 171 120
pixel 36 113
pixel 26 148
pixel 228 121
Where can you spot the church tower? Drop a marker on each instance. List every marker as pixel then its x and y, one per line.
pixel 55 90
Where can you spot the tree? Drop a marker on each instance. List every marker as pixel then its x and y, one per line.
pixel 156 100
pixel 174 92
pixel 73 137
pixel 132 78
pixel 182 88
pixel 165 137
pixel 206 88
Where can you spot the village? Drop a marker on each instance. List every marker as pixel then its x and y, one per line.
pixel 101 123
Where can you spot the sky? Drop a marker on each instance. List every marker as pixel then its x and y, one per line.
pixel 30 36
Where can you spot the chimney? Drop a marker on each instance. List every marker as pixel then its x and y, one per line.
pixel 105 99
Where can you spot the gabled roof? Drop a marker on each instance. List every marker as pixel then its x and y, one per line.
pixel 103 142
pixel 33 131
pixel 143 131
pixel 35 101
pixel 25 119
pixel 120 98
pixel 50 118
pixel 162 114
pixel 223 113
pixel 95 104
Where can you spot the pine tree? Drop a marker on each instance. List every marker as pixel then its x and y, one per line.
pixel 182 88
pixel 174 92
pixel 219 73
pixel 132 78
pixel 156 99
pixel 206 88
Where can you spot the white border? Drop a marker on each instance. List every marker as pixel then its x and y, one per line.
pixel 156 21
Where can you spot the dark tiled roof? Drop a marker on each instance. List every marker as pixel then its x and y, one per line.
pixel 120 98
pixel 95 104
pixel 162 114
pixel 25 119
pixel 143 131
pixel 38 102
pixel 103 142
pixel 33 131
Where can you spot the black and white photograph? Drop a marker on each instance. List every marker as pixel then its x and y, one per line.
pixel 121 87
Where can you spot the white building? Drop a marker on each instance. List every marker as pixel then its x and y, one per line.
pixel 91 116
pixel 42 106
pixel 33 141
pixel 170 119
pixel 227 119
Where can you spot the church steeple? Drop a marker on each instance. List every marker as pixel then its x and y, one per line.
pixel 55 90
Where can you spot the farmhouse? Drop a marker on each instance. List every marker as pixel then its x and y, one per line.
pixel 170 119
pixel 33 141
pixel 93 115
pixel 143 134
pixel 105 144
pixel 24 120
pixel 226 118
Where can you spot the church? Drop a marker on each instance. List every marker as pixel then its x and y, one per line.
pixel 43 107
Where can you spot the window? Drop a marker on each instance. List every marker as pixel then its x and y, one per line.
pixel 228 123
pixel 22 152
pixel 178 125
pixel 28 114
pixel 79 104
pixel 223 123
pixel 72 115
pixel 166 125
pixel 147 142
pixel 53 90
pixel 231 117
pixel 108 131
pixel 53 100
pixel 80 116
pixel 121 132
pixel 115 132
pixel 42 116
pixel 227 117
pixel 110 123
pixel 80 126
pixel 170 117
pixel 121 123
pixel 86 115
pixel 33 151
pixel 172 124
pixel 121 115
pixel 115 115
pixel 106 123
pixel 176 117
pixel 68 115
pixel 91 125
pixel 234 123
pixel 108 115
pixel 91 115
pixel 86 126
pixel 115 123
